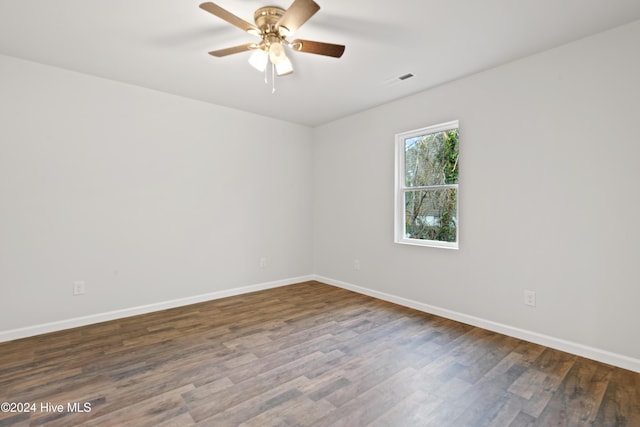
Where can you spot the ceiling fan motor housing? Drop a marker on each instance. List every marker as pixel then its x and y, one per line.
pixel 267 19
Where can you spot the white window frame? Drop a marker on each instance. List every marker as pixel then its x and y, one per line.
pixel 401 189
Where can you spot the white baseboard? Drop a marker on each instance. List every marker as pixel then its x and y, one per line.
pixel 600 355
pixel 75 322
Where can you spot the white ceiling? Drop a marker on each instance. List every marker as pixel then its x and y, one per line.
pixel 163 45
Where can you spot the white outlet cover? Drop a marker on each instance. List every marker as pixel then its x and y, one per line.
pixel 78 287
pixel 530 298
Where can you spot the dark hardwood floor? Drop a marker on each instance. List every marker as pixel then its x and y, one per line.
pixel 304 355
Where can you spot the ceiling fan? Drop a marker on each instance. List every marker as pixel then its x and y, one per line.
pixel 273 25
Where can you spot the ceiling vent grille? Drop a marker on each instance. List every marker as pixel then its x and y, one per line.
pixel 398 79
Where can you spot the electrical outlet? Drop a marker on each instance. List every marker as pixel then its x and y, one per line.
pixel 263 262
pixel 356 264
pixel 78 287
pixel 530 298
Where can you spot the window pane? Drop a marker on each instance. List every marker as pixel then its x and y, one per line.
pixel 431 159
pixel 431 214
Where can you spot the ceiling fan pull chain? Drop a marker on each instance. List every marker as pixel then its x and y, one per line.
pixel 273 78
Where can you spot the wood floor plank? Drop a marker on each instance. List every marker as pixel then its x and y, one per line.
pixel 308 354
pixel 259 404
pixel 410 412
pixel 364 408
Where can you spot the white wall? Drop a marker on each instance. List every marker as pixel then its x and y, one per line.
pixel 549 197
pixel 145 196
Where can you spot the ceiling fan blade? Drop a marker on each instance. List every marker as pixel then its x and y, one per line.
pixel 231 50
pixel 229 17
pixel 319 48
pixel 298 13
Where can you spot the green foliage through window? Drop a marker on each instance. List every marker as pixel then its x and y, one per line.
pixel 431 177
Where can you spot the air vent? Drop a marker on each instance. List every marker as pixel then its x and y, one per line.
pixel 398 79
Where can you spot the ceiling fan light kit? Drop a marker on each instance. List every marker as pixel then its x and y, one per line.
pixel 284 68
pixel 273 25
pixel 259 59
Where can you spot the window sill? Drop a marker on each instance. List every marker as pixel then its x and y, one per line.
pixel 428 243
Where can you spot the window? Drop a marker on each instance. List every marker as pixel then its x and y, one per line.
pixel 427 186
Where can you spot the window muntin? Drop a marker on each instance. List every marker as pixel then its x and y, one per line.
pixel 427 186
